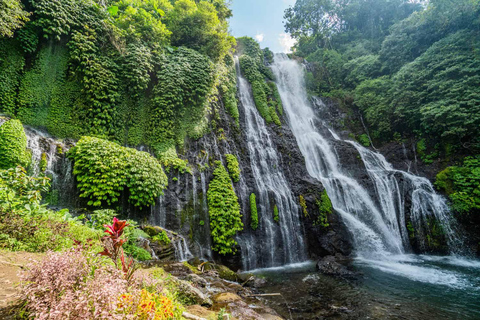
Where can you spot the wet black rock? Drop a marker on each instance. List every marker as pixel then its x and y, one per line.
pixel 335 266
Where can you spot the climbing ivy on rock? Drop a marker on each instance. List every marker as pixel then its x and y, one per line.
pixel 265 93
pixel 105 169
pixel 179 96
pixel 224 210
pixel 233 167
pixel 13 145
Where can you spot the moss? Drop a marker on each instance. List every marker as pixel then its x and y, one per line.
pixel 13 145
pixel 325 208
pixel 152 230
pixel 43 162
pixel 162 238
pixel 224 210
pixel 444 180
pixel 303 204
pixel 191 268
pixel 233 167
pixel 274 116
pixel 276 216
pixel 253 212
pixel 225 273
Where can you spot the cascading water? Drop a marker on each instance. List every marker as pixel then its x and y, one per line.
pixel 376 219
pixel 273 243
pixel 182 252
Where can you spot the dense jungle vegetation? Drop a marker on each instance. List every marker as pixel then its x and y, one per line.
pixel 410 69
pixel 113 68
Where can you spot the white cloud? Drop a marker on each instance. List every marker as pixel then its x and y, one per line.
pixel 286 42
pixel 260 37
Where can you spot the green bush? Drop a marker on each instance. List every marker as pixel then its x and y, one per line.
pixel 233 167
pixel 363 140
pixel 253 212
pixel 162 237
pixel 104 169
pixel 13 145
pixel 224 210
pixel 462 185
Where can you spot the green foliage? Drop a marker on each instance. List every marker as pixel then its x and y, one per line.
pixel 99 80
pixel 267 56
pixel 413 69
pixel 462 184
pixel 104 169
pixel 20 192
pixel 274 116
pixel 197 26
pixel 179 97
pixel 162 237
pixel 274 97
pixel 13 145
pixel 363 140
pixel 43 162
pixel 248 46
pixel 136 20
pixel 11 66
pixel 259 88
pixel 228 89
pixel 303 204
pixel 224 210
pixel 26 225
pixel 276 216
pixel 325 208
pixel 253 212
pixel 233 167
pixel 12 17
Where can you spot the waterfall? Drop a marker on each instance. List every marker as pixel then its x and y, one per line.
pixel 182 253
pixel 158 213
pixel 375 219
pixel 272 244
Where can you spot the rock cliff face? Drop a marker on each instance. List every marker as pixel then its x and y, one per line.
pixel 184 208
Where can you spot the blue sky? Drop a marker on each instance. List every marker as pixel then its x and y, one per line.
pixel 263 20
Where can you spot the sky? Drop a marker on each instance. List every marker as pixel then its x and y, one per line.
pixel 262 20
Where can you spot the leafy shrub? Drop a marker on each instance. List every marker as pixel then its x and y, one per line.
pixel 162 237
pixel 20 192
pixel 12 16
pixel 233 167
pixel 253 212
pixel 224 210
pixel 363 140
pixel 104 169
pixel 462 184
pixel 13 145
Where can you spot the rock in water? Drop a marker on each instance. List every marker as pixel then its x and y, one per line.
pixel 332 265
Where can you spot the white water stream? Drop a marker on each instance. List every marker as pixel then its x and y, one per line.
pixel 376 219
pixel 273 243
